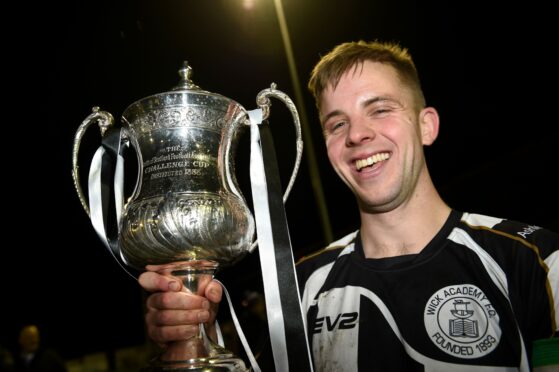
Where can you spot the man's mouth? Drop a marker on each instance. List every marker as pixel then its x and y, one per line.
pixel 371 160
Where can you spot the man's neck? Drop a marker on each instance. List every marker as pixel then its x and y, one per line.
pixel 405 230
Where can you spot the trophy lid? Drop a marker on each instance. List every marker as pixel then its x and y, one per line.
pixel 185 83
pixel 179 104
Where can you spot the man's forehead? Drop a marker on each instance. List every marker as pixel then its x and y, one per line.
pixel 367 72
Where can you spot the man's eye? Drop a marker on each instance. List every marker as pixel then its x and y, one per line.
pixel 379 111
pixel 337 125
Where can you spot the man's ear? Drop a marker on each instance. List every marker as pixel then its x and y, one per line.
pixel 429 125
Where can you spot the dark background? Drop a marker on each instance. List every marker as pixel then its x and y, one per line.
pixel 488 69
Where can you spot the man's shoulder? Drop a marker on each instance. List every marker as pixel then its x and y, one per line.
pixel 49 359
pixel 313 269
pixel 487 228
pixel 328 254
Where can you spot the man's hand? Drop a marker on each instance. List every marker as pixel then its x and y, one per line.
pixel 173 314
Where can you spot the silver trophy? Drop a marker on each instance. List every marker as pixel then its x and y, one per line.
pixel 186 216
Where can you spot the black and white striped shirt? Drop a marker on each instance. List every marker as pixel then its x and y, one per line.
pixel 474 299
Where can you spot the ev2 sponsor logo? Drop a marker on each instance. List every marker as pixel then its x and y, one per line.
pixel 340 321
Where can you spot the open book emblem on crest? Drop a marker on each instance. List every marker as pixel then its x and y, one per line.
pixel 461 326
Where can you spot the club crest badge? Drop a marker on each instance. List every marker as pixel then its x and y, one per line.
pixel 461 321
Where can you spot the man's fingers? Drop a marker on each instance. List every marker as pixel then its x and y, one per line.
pixel 154 282
pixel 172 333
pixel 214 292
pixel 176 301
pixel 163 318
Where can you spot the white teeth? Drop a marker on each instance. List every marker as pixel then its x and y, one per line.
pixel 362 163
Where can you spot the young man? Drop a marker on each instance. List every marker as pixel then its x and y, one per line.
pixel 419 286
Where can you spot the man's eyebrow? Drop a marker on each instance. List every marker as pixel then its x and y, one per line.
pixel 374 100
pixel 329 115
pixel 364 104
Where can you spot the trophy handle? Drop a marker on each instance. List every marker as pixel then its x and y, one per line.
pixel 264 103
pixel 105 120
pixel 114 141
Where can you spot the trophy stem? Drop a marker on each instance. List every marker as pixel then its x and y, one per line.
pixel 197 353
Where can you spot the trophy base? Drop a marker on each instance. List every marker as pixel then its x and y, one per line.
pixel 225 364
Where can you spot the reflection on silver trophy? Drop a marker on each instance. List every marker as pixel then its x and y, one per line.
pixel 186 216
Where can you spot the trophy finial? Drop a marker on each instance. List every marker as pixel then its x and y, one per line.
pixel 185 83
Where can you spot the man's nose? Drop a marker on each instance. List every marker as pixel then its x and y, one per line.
pixel 359 131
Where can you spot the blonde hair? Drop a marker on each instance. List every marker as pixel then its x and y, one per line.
pixel 331 67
